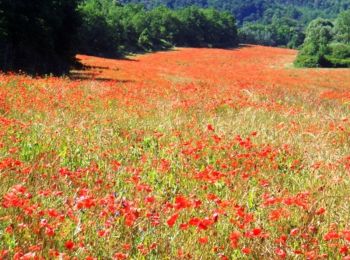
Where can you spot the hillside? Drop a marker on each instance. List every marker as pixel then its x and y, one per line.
pixel 272 23
pixel 261 10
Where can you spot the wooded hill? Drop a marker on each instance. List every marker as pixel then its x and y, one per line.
pixel 261 10
pixel 267 22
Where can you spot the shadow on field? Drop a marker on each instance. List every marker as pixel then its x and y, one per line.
pixel 240 46
pixel 82 71
pixel 84 75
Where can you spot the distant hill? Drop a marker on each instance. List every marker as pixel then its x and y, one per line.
pixel 265 22
pixel 261 10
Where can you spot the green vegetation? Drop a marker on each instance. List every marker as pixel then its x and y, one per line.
pixel 267 22
pixel 111 29
pixel 280 32
pixel 327 44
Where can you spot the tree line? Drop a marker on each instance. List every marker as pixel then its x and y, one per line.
pixel 267 22
pixel 44 36
pixel 109 28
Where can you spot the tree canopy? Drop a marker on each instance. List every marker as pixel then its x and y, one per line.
pixel 110 28
pixel 327 43
pixel 268 22
pixel 342 27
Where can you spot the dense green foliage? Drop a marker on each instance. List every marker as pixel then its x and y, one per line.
pixel 268 22
pixel 109 28
pixel 342 27
pixel 260 10
pixel 37 36
pixel 280 32
pixel 327 44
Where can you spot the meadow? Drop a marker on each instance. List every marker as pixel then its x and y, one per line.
pixel 185 154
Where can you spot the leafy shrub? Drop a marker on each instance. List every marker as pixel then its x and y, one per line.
pixel 144 41
pixel 339 63
pixel 307 61
pixel 340 50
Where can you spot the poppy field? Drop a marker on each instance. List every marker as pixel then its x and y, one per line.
pixel 185 154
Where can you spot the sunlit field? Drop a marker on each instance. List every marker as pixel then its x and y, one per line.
pixel 185 154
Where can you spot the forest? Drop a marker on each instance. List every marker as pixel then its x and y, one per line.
pixel 266 22
pixel 110 29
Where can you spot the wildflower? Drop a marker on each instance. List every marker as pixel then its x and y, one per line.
pixel 246 250
pixel 171 221
pixel 331 235
pixel 210 128
pixel 234 239
pixel 344 250
pixel 203 240
pixel 69 245
pixel 181 202
pixel 281 253
pixel 294 231
pixel 320 211
pixel 120 256
pixel 102 233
